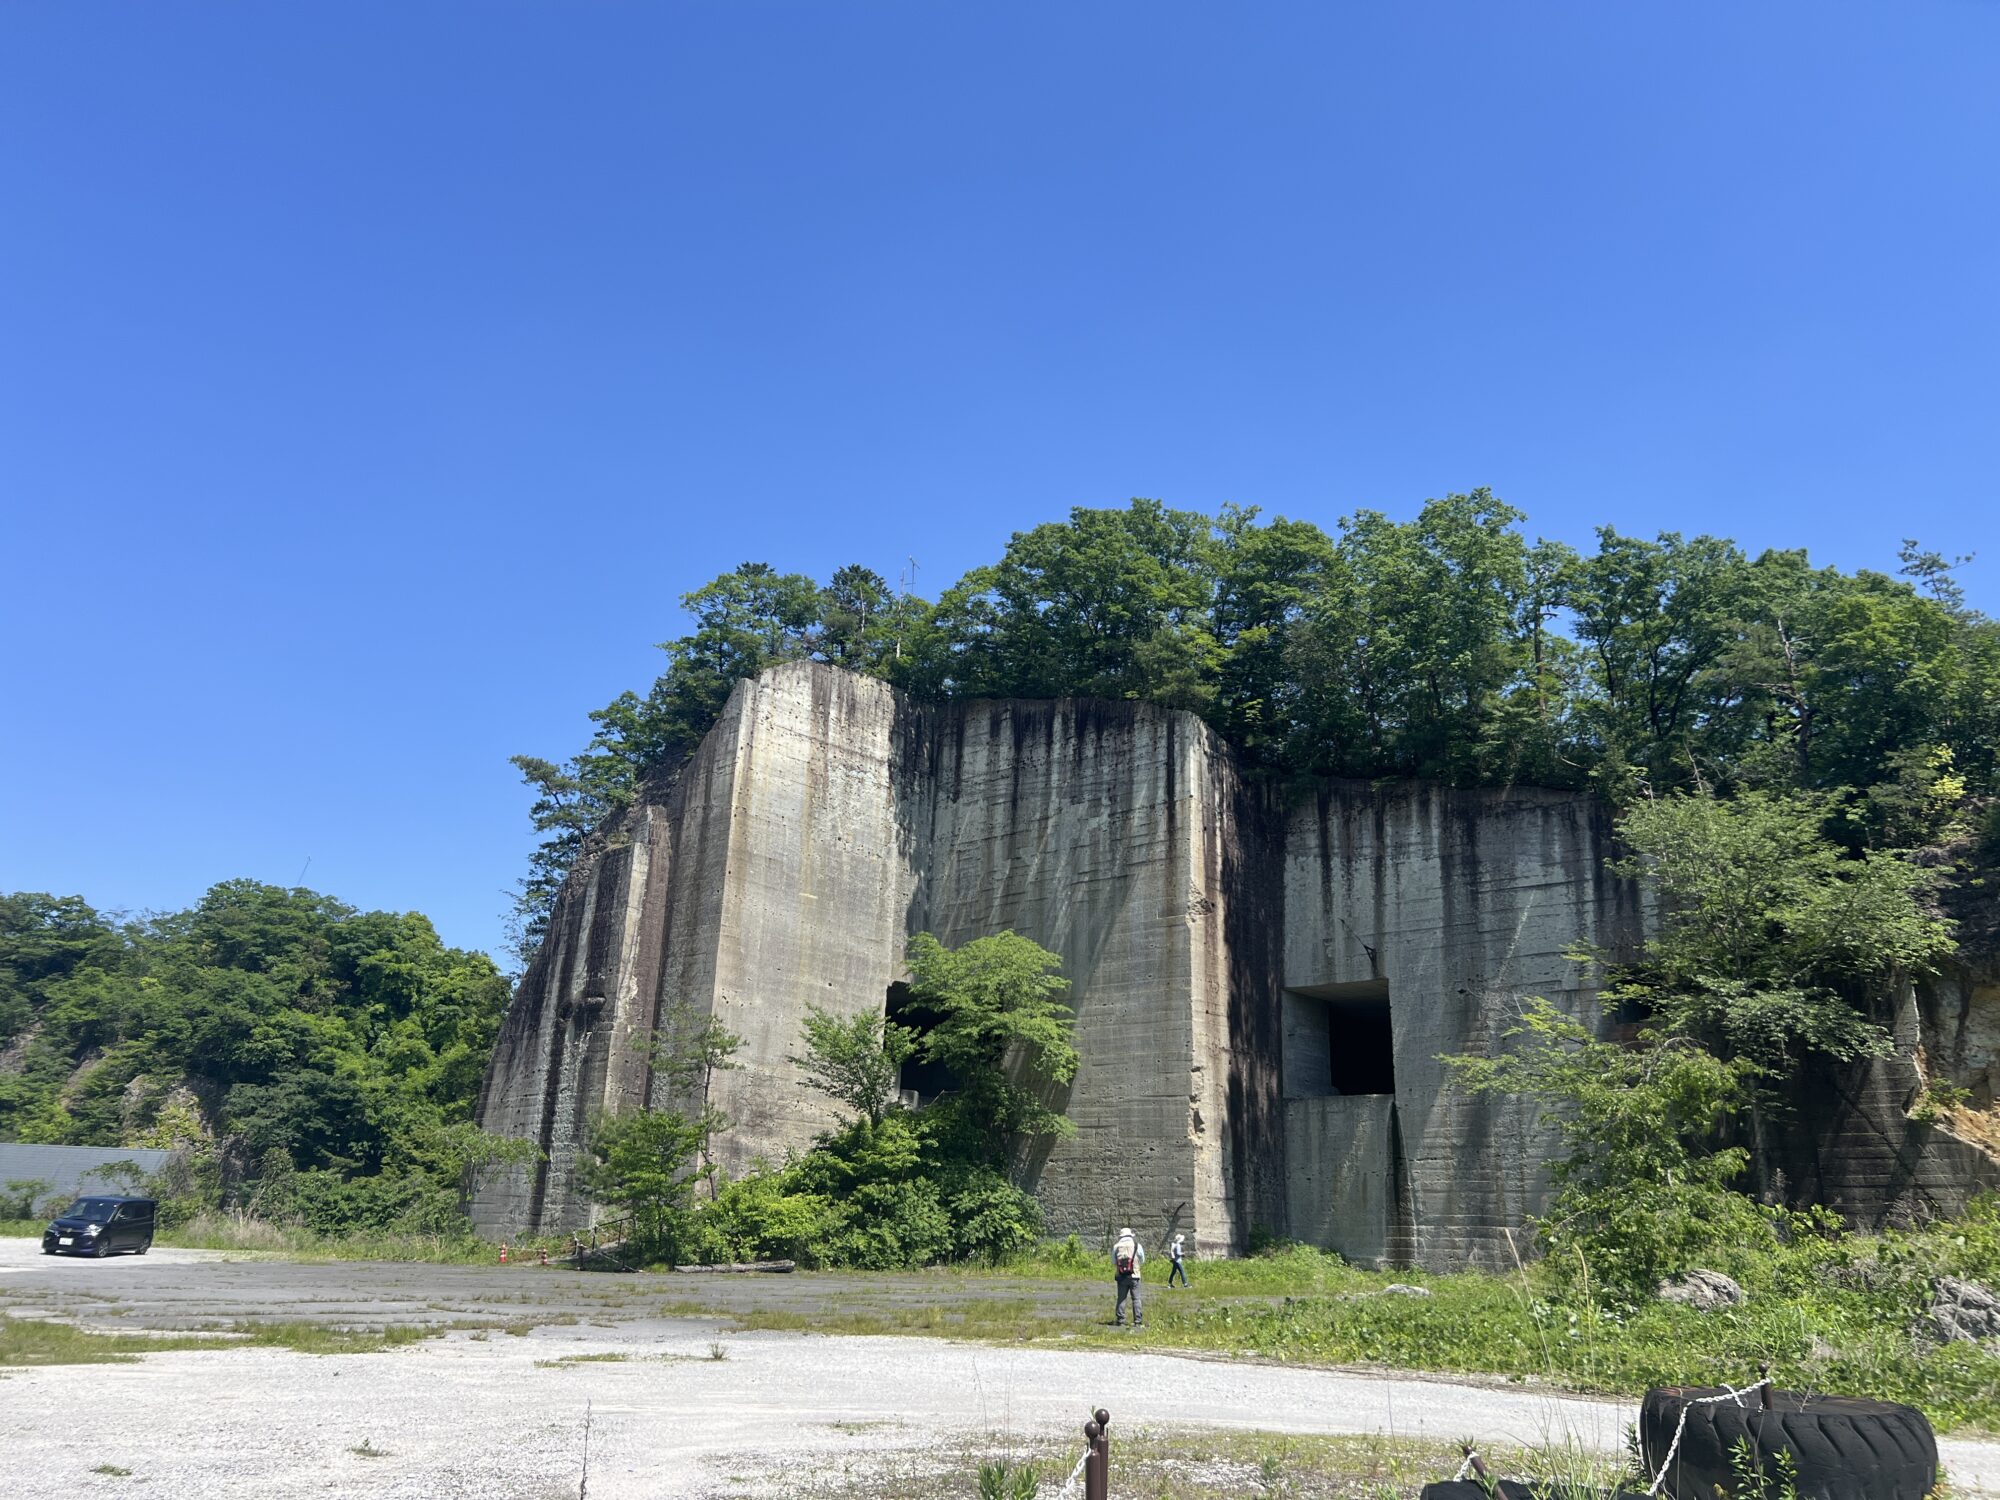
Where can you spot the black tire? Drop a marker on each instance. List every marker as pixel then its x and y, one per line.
pixel 1472 1489
pixel 1511 1489
pixel 143 1248
pixel 101 1250
pixel 1844 1447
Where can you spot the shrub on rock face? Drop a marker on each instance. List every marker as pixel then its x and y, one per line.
pixel 1704 1291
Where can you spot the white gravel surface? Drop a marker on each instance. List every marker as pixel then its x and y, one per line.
pixel 782 1414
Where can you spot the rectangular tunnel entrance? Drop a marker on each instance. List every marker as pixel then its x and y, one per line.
pixel 919 1082
pixel 1340 1040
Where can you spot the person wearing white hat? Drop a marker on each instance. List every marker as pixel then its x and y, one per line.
pixel 1174 1253
pixel 1128 1258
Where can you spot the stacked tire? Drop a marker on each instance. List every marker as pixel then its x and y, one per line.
pixel 1841 1447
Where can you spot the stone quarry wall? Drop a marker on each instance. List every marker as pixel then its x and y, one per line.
pixel 1248 970
pixel 823 822
pixel 1461 904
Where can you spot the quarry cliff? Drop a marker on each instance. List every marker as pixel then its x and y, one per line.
pixel 1264 977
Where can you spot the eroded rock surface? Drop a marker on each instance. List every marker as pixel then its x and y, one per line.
pixel 1704 1291
pixel 1964 1312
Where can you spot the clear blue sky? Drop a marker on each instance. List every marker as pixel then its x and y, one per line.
pixel 374 378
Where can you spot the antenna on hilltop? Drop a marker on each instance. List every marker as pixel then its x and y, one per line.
pixel 906 582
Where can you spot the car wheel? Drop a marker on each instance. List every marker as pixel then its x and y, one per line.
pixel 143 1248
pixel 101 1249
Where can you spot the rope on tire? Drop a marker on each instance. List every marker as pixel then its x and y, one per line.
pixel 1680 1427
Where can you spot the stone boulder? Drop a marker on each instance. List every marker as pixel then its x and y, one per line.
pixel 1964 1312
pixel 1704 1291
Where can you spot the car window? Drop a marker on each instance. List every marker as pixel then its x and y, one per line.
pixel 89 1208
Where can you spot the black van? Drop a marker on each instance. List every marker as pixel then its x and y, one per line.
pixel 101 1226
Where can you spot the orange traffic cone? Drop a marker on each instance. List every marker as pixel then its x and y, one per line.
pixel 503 1252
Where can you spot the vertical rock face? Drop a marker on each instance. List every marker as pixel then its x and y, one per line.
pixel 1444 909
pixel 1262 985
pixel 823 822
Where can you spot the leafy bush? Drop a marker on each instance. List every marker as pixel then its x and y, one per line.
pixel 893 1187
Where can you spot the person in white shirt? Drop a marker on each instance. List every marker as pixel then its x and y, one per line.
pixel 1174 1253
pixel 1128 1258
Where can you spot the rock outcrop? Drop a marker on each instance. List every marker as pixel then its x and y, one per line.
pixel 1964 1312
pixel 1704 1291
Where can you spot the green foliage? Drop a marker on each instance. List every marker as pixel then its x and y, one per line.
pixel 890 1188
pixel 262 1034
pixel 24 1197
pixel 644 1163
pixel 1646 1189
pixel 650 1162
pixel 855 1061
pixel 1767 929
pixel 1768 938
pixel 1002 1032
pixel 1447 647
pixel 1000 1480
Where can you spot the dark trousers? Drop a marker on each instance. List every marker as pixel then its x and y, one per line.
pixel 1178 1270
pixel 1128 1286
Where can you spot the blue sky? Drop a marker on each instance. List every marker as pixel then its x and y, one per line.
pixel 374 378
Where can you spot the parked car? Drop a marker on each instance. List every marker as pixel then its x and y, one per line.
pixel 101 1226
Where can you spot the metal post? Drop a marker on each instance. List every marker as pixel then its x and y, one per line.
pixel 1097 1468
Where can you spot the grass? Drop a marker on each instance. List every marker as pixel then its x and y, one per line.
pixel 113 1470
pixel 1835 1316
pixel 1185 1466
pixel 242 1234
pixel 38 1341
pixel 566 1360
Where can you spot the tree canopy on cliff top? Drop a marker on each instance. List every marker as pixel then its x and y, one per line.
pixel 1449 647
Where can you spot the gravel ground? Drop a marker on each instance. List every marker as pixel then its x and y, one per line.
pixel 492 1414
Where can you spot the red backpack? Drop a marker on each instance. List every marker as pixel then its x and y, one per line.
pixel 1124 1260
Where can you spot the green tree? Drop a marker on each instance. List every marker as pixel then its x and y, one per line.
pixel 1653 618
pixel 687 1050
pixel 1407 653
pixel 1108 604
pixel 1647 1186
pixel 1772 942
pixel 854 1060
pixel 1267 578
pixel 338 1043
pixel 646 1163
pixel 1002 1031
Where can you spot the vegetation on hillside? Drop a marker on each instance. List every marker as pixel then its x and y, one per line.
pixel 310 1062
pixel 1449 647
